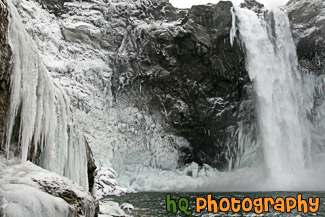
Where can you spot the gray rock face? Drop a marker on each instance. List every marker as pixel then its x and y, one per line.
pixel 308 26
pixel 53 6
pixel 189 77
pixel 175 66
pixel 5 55
pixel 252 5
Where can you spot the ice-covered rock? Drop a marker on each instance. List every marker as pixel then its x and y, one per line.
pixel 111 208
pixel 39 125
pixel 126 206
pixel 106 184
pixel 39 128
pixel 150 84
pixel 28 190
pixel 307 19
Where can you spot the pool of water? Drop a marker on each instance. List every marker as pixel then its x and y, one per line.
pixel 153 204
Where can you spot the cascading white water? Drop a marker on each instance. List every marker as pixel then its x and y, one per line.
pixel 272 65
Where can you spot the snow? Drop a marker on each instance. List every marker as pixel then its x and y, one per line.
pixel 106 184
pixel 111 208
pixel 45 116
pixel 118 133
pixel 141 178
pixel 127 206
pixel 23 187
pixel 37 204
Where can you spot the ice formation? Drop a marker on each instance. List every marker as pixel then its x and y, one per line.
pixel 119 134
pixel 44 110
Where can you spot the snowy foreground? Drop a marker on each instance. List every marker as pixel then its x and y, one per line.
pixel 28 190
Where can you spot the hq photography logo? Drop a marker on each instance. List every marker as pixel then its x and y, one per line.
pixel 257 205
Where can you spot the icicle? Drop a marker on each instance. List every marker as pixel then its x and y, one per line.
pixel 233 29
pixel 45 119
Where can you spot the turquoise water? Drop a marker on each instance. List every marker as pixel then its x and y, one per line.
pixel 153 204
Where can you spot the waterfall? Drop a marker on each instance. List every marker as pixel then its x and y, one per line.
pixel 272 65
pixel 47 134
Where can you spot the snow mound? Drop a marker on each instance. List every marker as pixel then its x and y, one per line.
pixel 106 184
pixel 111 208
pixel 28 190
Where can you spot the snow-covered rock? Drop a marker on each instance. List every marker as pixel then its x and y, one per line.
pixel 307 19
pixel 39 124
pixel 106 184
pixel 28 190
pixel 126 206
pixel 139 77
pixel 111 208
pixel 39 127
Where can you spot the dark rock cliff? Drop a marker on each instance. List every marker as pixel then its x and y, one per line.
pixel 308 26
pixel 188 76
pixel 5 56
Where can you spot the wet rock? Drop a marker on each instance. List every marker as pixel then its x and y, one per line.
pixel 5 56
pixel 91 167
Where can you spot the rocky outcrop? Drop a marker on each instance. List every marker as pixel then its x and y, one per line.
pixel 53 6
pixel 252 5
pixel 106 184
pixel 5 56
pixel 308 26
pixel 83 207
pixel 91 167
pixel 167 82
pixel 38 192
pixel 188 76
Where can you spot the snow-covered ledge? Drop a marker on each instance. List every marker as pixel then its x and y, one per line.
pixel 30 191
